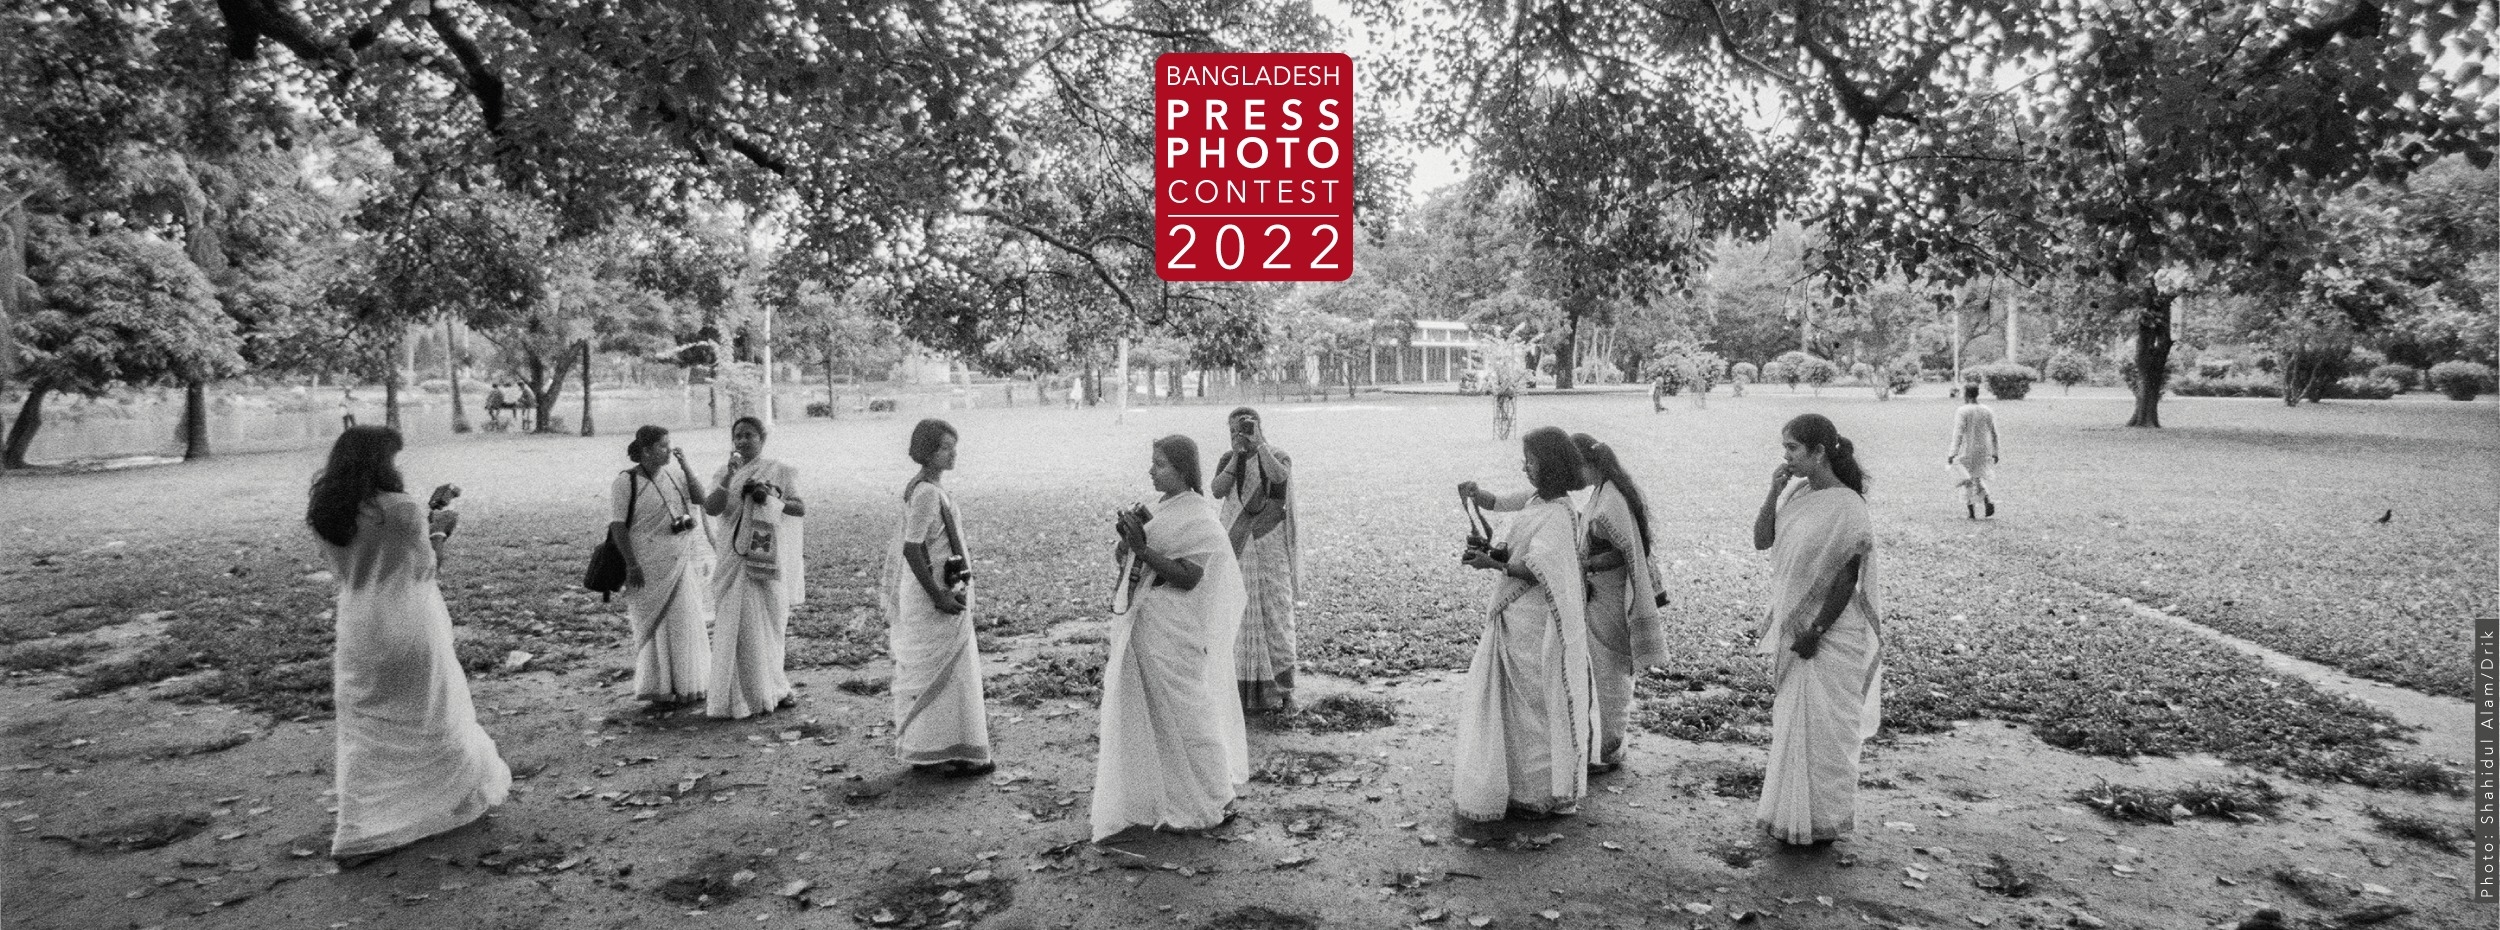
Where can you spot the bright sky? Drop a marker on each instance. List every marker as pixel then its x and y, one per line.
pixel 1435 167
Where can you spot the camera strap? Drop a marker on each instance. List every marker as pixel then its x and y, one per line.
pixel 1476 522
pixel 633 496
pixel 946 517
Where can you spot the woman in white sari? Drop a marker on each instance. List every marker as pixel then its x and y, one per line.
pixel 1824 632
pixel 1255 482
pixel 750 592
pixel 939 721
pixel 667 562
pixel 1174 751
pixel 412 761
pixel 1625 632
pixel 1527 720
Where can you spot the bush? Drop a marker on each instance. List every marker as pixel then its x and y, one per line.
pixel 2407 377
pixel 1863 373
pixel 2004 380
pixel 1773 372
pixel 1742 373
pixel 2364 387
pixel 2068 369
pixel 2244 386
pixel 881 405
pixel 818 408
pixel 1811 369
pixel 1901 376
pixel 2461 380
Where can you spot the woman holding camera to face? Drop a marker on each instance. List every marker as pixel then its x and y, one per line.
pixel 1174 751
pixel 939 721
pixel 412 761
pixel 1527 719
pixel 758 501
pixel 652 506
pixel 1255 482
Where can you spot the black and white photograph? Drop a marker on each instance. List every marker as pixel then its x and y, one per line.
pixel 1249 464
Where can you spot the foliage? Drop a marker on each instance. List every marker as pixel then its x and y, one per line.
pixel 1811 369
pixel 2237 386
pixel 2227 800
pixel 2005 380
pixel 119 306
pixel 2405 377
pixel 2069 368
pixel 2461 380
pixel 1504 361
pixel 2365 387
pixel 1773 372
pixel 1901 375
pixel 1743 373
pixel 1862 373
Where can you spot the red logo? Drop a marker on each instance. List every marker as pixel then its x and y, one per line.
pixel 1254 166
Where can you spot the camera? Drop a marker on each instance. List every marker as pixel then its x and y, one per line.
pixel 757 492
pixel 681 523
pixel 956 573
pixel 1477 543
pixel 443 496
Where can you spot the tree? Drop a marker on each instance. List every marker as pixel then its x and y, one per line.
pixel 117 306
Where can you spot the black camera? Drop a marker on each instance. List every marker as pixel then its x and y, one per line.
pixel 1476 543
pixel 681 523
pixel 956 573
pixel 757 492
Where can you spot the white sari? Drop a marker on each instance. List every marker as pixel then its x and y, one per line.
pixel 1260 519
pixel 938 712
pixel 671 612
pixel 412 760
pixel 1625 632
pixel 1174 749
pixel 1826 706
pixel 751 613
pixel 1527 718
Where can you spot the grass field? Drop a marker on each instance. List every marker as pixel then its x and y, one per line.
pixel 2244 515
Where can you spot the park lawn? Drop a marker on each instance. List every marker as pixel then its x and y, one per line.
pixel 2246 515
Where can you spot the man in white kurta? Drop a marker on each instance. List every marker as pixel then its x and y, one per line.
pixel 412 761
pixel 1174 748
pixel 1974 452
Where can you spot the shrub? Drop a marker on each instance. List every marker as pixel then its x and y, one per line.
pixel 2364 387
pixel 2244 386
pixel 2407 377
pixel 1773 372
pixel 1862 372
pixel 2068 369
pixel 881 405
pixel 1901 375
pixel 2461 380
pixel 1742 373
pixel 2004 380
pixel 1811 369
pixel 818 408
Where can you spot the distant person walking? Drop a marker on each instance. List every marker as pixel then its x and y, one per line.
pixel 939 721
pixel 1974 452
pixel 1254 482
pixel 667 564
pixel 750 601
pixel 1823 630
pixel 1174 752
pixel 411 759
pixel 526 413
pixel 1527 719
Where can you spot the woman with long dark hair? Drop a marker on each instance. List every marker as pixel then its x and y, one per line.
pixel 1173 749
pixel 1625 634
pixel 1254 482
pixel 1527 721
pixel 758 502
pixel 939 721
pixel 1824 631
pixel 411 760
pixel 667 561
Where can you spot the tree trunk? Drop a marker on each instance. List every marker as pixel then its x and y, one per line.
pixel 390 398
pixel 451 363
pixel 829 398
pixel 549 390
pixel 2152 358
pixel 586 430
pixel 1568 357
pixel 29 419
pixel 194 421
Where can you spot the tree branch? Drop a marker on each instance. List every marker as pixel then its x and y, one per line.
pixel 1101 271
pixel 482 82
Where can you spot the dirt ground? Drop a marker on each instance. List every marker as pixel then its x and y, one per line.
pixel 801 818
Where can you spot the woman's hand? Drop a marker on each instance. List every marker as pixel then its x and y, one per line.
pixel 1808 643
pixel 1480 559
pixel 633 577
pixel 1781 475
pixel 947 603
pixel 442 522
